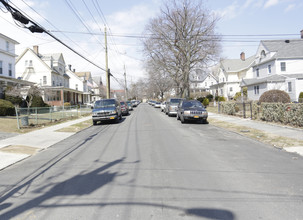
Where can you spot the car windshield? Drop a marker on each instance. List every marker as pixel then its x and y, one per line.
pixel 175 101
pixel 105 103
pixel 192 104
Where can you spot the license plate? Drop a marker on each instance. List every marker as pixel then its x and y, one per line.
pixel 112 118
pixel 196 116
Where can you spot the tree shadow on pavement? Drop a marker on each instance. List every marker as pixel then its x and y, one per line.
pixel 82 184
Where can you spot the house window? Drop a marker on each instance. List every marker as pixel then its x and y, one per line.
pixel 10 69
pixel 30 63
pixel 231 89
pixel 256 88
pixel 1 70
pixel 53 82
pixel 7 46
pixel 26 63
pixel 269 69
pixel 257 72
pixel 289 87
pixel 221 91
pixel 76 86
pixel 205 83
pixel 44 80
pixel 283 66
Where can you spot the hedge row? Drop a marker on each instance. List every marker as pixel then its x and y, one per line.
pixel 291 114
pixel 284 113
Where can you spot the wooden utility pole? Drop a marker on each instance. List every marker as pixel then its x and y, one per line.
pixel 106 68
pixel 125 88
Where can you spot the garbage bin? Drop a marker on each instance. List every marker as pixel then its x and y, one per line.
pixel 24 121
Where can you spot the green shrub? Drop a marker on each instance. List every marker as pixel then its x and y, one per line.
pixel 275 96
pixel 16 100
pixel 6 108
pixel 301 97
pixel 205 102
pixel 221 99
pixel 210 97
pixel 201 99
pixel 66 104
pixel 38 102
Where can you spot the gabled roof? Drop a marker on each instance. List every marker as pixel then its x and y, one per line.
pixel 236 65
pixel 285 48
pixel 269 79
pixel 86 75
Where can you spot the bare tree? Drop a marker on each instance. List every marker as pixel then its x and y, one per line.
pixel 180 38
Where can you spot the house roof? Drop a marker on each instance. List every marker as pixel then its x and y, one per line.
pixel 285 48
pixel 269 79
pixel 86 75
pixel 236 65
pixel 8 39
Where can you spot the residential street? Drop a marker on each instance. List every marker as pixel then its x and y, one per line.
pixel 150 166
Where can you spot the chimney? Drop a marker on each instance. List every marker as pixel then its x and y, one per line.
pixel 70 67
pixel 36 49
pixel 301 34
pixel 242 56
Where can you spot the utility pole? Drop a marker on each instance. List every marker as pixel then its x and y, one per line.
pixel 106 67
pixel 125 84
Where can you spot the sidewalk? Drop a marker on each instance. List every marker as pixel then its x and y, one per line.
pixel 280 130
pixel 38 140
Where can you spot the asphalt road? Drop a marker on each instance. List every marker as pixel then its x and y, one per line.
pixel 150 166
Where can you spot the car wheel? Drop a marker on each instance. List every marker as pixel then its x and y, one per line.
pixel 94 122
pixel 182 120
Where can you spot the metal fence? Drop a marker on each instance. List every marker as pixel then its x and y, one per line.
pixel 37 116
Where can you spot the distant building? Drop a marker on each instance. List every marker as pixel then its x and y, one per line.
pixel 230 75
pixel 200 81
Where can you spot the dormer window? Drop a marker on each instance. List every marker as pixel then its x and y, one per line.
pixel 263 54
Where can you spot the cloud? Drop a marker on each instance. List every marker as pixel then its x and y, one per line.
pixel 229 12
pixel 271 3
pixel 290 7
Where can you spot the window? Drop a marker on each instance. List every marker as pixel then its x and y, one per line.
pixel 205 83
pixel 10 69
pixel 53 82
pixel 269 69
pixel 44 80
pixel 256 88
pixel 231 89
pixel 263 55
pixel 257 72
pixel 283 66
pixel 76 86
pixel 30 63
pixel 26 63
pixel 1 70
pixel 7 46
pixel 289 87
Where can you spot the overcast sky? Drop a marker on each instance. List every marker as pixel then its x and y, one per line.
pixel 250 20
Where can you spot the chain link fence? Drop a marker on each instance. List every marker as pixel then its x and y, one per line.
pixel 240 109
pixel 37 116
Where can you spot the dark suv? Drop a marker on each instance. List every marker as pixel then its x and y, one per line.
pixel 191 110
pixel 106 110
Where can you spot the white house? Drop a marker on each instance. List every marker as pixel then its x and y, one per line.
pixel 200 81
pixel 47 71
pixel 278 65
pixel 99 90
pixel 7 64
pixel 230 74
pixel 87 86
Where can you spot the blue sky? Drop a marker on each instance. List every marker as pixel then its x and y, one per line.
pixel 237 17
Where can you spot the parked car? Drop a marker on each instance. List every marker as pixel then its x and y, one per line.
pixel 191 110
pixel 163 106
pixel 106 110
pixel 172 105
pixel 124 108
pixel 130 106
pixel 157 104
